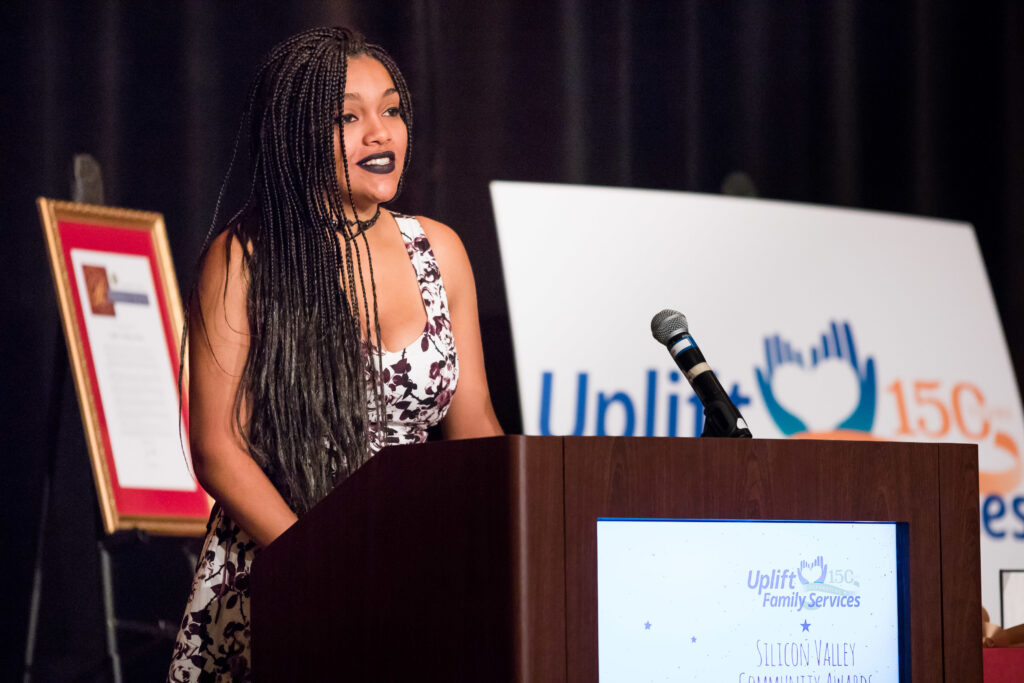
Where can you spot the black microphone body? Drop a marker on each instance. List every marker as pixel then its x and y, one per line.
pixel 721 417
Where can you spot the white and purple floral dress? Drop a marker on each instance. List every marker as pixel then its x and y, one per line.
pixel 419 381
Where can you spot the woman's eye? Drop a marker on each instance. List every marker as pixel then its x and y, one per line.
pixel 347 118
pixel 393 111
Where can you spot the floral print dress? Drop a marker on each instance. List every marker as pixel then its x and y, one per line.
pixel 419 382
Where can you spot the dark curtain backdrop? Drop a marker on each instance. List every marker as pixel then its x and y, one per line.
pixel 914 107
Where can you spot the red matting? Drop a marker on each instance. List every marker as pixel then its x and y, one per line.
pixel 129 502
pixel 1003 664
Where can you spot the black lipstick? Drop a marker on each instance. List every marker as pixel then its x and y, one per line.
pixel 381 162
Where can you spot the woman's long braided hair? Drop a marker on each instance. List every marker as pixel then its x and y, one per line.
pixel 302 402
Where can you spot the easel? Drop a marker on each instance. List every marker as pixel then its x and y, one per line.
pixel 107 545
pixel 87 188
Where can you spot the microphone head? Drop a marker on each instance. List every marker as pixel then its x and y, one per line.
pixel 668 324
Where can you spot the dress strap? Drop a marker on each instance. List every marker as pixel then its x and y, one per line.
pixel 435 299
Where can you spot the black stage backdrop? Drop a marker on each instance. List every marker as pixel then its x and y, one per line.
pixel 914 107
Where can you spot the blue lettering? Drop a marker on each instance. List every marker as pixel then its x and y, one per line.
pixel 604 401
pixel 547 380
pixel 652 393
pixel 1018 510
pixel 545 403
pixel 988 515
pixel 669 393
pixel 738 399
pixel 673 406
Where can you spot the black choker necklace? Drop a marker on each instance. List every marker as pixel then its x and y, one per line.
pixel 360 226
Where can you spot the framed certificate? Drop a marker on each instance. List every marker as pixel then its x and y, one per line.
pixel 122 319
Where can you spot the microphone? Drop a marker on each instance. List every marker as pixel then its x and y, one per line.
pixel 721 418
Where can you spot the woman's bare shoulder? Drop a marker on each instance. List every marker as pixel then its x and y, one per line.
pixel 443 240
pixel 224 259
pixel 222 289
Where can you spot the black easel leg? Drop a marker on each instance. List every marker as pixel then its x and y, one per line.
pixel 37 585
pixel 106 578
pixel 57 386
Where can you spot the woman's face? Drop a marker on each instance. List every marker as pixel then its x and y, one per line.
pixel 374 133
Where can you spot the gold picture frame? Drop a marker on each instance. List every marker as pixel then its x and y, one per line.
pixel 121 313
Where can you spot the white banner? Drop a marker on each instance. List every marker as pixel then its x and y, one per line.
pixel 820 322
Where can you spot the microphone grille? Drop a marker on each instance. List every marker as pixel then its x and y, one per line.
pixel 667 324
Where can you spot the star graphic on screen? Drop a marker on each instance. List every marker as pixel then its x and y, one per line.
pixel 647 626
pixel 805 626
pixel 693 639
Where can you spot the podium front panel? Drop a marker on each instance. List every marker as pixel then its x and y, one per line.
pixel 477 559
pixel 785 480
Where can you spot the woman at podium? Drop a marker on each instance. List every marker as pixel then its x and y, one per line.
pixel 323 326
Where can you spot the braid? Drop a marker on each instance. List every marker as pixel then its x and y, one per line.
pixel 306 388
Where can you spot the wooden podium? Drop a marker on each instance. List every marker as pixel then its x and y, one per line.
pixel 477 560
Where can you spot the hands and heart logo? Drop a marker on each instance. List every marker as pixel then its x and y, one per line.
pixel 812 580
pixel 818 567
pixel 833 392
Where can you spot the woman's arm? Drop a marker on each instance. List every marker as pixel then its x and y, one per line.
pixel 471 413
pixel 218 347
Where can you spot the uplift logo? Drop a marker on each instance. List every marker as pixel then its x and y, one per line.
pixel 833 369
pixel 778 588
pixel 836 392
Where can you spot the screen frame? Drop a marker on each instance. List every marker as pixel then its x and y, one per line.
pixel 901 533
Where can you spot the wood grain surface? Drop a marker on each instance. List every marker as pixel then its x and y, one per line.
pixel 477 560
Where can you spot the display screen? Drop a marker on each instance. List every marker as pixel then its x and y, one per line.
pixel 751 601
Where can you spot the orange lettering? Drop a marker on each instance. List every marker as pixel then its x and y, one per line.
pixel 958 412
pixel 901 406
pixel 923 400
pixel 1001 483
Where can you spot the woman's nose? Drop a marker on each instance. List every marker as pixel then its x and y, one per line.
pixel 376 131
